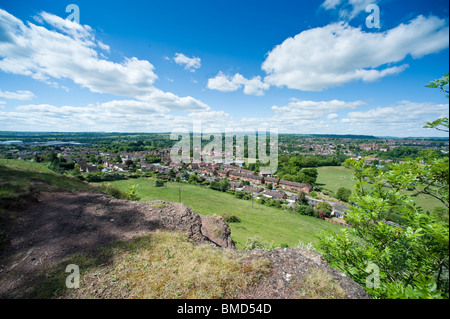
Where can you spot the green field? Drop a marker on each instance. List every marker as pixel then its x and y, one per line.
pixel 275 226
pixel 333 177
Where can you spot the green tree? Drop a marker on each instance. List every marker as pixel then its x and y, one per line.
pixel 343 194
pixel 324 207
pixel 302 200
pixel 159 183
pixel 401 253
pixel 224 184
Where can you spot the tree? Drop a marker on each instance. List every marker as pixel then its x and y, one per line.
pixel 442 123
pixel 305 210
pixel 343 194
pixel 185 175
pixel 129 162
pixel 193 179
pixel 302 200
pixel 224 184
pixel 407 256
pixel 159 183
pixel 324 207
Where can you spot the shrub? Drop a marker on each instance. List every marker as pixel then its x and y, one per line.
pixel 306 210
pixel 321 214
pixel 324 207
pixel 231 218
pixel 159 183
pixel 255 242
pixel 343 194
pixel 113 191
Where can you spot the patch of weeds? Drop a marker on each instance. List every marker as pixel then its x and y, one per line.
pixel 159 205
pixel 231 218
pixel 319 284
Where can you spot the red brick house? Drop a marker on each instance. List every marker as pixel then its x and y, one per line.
pixel 293 186
pixel 275 194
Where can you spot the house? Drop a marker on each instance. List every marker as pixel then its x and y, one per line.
pixel 251 189
pixel 275 194
pixel 91 169
pixel 222 173
pixel 234 185
pixel 264 172
pixel 273 180
pixel 293 186
pixel 193 166
pixel 83 165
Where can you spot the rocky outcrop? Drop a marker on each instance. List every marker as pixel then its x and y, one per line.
pixel 290 267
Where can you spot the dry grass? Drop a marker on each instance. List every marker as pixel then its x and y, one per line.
pixel 163 265
pixel 319 284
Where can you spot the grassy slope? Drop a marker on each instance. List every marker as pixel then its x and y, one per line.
pixel 271 224
pixel 333 177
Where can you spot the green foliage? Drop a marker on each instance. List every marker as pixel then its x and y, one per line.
pixel 419 246
pixel 343 194
pixel 302 200
pixel 440 213
pixel 442 123
pixel 222 186
pixel 440 83
pixel 159 183
pixel 306 210
pixel 255 242
pixel 113 191
pixel 231 218
pixel 324 207
pixel 131 192
pixel 425 287
pixel 103 177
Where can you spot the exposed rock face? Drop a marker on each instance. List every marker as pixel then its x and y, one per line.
pixel 217 231
pixel 290 266
pixel 61 224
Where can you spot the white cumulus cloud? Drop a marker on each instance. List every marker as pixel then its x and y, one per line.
pixel 338 53
pixel 227 83
pixel 18 95
pixel 190 64
pixel 61 49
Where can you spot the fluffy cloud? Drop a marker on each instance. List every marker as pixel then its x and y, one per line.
pixel 18 95
pixel 68 50
pixel 227 83
pixel 190 64
pixel 336 54
pixel 348 8
pixel 308 110
pixel 124 116
pixel 403 119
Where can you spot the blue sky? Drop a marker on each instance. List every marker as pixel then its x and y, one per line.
pixel 154 66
